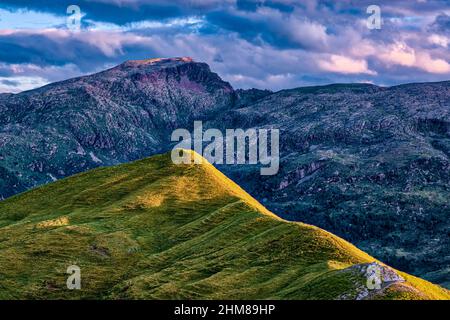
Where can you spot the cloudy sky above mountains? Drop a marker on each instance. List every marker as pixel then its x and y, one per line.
pixel 251 43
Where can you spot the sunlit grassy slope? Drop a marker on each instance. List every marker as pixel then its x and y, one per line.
pixel 152 229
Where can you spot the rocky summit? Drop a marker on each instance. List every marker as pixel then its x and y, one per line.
pixel 371 164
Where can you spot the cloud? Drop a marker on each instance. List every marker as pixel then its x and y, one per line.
pixel 10 82
pixel 345 65
pixel 402 54
pixel 270 44
pixel 58 47
pixel 439 40
pixel 18 84
pixel 398 53
pixel 441 23
pixel 272 26
pixel 120 12
pixel 432 65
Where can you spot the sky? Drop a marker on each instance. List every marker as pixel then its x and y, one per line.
pixel 273 44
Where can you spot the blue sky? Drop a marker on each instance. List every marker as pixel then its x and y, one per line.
pixel 271 44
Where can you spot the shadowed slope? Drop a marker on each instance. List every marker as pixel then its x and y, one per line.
pixel 152 229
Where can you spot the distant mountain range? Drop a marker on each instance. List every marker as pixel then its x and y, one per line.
pixel 368 163
pixel 155 230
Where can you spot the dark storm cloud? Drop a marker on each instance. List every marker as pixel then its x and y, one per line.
pixel 101 11
pixel 441 24
pixel 50 49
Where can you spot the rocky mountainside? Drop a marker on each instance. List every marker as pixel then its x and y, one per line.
pixel 114 116
pixel 370 164
pixel 155 230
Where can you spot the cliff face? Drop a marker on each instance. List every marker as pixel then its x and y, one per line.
pixel 370 164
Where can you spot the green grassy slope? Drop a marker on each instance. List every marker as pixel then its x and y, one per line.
pixel 152 229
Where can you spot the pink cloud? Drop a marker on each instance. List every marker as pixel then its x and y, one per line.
pixel 401 54
pixel 345 65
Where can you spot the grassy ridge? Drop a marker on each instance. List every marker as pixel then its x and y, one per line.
pixel 152 229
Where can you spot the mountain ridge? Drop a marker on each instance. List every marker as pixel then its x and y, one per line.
pixel 369 164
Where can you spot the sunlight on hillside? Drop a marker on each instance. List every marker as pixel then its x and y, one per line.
pixel 155 230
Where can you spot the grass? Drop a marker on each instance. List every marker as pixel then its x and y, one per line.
pixel 154 230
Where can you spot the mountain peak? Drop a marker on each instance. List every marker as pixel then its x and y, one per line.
pixel 160 61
